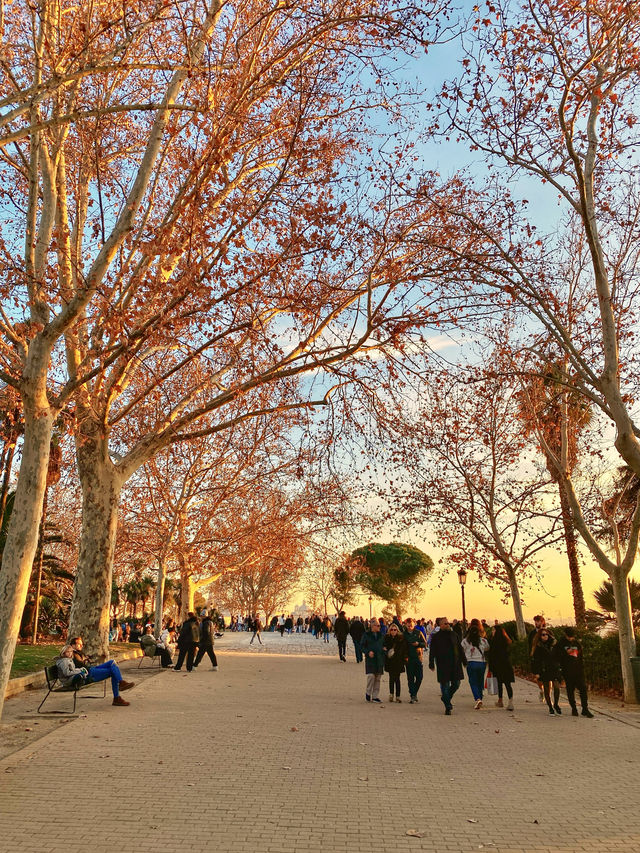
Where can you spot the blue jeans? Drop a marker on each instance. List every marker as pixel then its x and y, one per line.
pixel 108 669
pixel 414 677
pixel 475 671
pixel 447 689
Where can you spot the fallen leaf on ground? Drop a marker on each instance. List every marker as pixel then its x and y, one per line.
pixel 366 779
pixel 471 820
pixel 295 729
pixel 414 833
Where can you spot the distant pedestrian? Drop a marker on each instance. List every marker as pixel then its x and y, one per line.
pixel 257 627
pixel 373 651
pixel 545 666
pixel 356 631
pixel 188 639
pixel 326 628
pixel 476 649
pixel 341 630
pixel 500 664
pixel 281 621
pixel 396 656
pixel 570 656
pixel 207 630
pixel 447 658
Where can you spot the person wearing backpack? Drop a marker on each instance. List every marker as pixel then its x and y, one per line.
pixel 188 639
pixel 206 641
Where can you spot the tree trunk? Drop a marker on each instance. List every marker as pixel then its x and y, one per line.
pixel 517 603
pixel 101 486
pixel 22 537
pixel 157 627
pixel 579 607
pixel 626 635
pixel 188 595
pixel 40 557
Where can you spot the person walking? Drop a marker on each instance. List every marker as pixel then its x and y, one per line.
pixel 373 651
pixel 396 656
pixel 205 646
pixel 539 622
pixel 257 627
pixel 416 644
pixel 341 630
pixel 570 656
pixel 356 631
pixel 476 648
pixel 500 664
pixel 546 668
pixel 447 658
pixel 188 639
pixel 326 628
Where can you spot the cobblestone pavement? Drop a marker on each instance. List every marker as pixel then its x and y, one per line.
pixel 280 753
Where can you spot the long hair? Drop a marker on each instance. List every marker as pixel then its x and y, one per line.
pixel 475 633
pixel 537 640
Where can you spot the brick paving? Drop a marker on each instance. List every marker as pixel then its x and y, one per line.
pixel 277 751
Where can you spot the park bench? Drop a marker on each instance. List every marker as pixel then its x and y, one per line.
pixel 54 685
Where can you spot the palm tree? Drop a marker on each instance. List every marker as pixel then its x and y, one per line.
pixel 605 598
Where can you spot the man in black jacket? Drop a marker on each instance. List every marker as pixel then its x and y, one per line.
pixel 188 639
pixel 446 652
pixel 341 630
pixel 569 654
pixel 206 640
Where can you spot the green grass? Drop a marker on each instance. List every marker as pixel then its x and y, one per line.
pixel 28 659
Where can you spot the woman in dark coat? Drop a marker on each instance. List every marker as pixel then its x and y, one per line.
pixel 396 656
pixel 500 664
pixel 545 666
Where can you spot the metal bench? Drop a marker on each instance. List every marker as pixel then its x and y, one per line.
pixel 54 685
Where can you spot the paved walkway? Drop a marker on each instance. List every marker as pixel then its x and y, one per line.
pixel 279 753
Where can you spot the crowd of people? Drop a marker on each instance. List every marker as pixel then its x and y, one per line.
pixel 395 649
pixel 484 653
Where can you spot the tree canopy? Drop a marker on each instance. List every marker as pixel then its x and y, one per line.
pixel 392 572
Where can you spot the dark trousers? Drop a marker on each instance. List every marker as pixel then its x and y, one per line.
pixel 447 689
pixel 414 677
pixel 578 684
pixel 188 652
pixel 206 650
pixel 165 656
pixel 342 648
pixel 394 684
pixel 356 647
pixel 507 687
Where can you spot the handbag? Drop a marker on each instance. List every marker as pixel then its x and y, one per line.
pixel 491 683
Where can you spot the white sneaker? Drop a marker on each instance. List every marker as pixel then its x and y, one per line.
pixel 215 669
pixel 478 705
pixel 510 705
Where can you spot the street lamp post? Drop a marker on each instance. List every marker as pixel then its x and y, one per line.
pixel 462 578
pixel 370 600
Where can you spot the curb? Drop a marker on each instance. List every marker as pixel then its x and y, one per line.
pixel 37 679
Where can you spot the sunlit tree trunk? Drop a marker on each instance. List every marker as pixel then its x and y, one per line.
pixel 22 538
pixel 101 487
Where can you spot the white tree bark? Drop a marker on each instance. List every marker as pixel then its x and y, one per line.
pixel 517 603
pixel 101 487
pixel 627 640
pixel 22 538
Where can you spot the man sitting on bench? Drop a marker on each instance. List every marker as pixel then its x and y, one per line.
pixel 154 648
pixel 108 669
